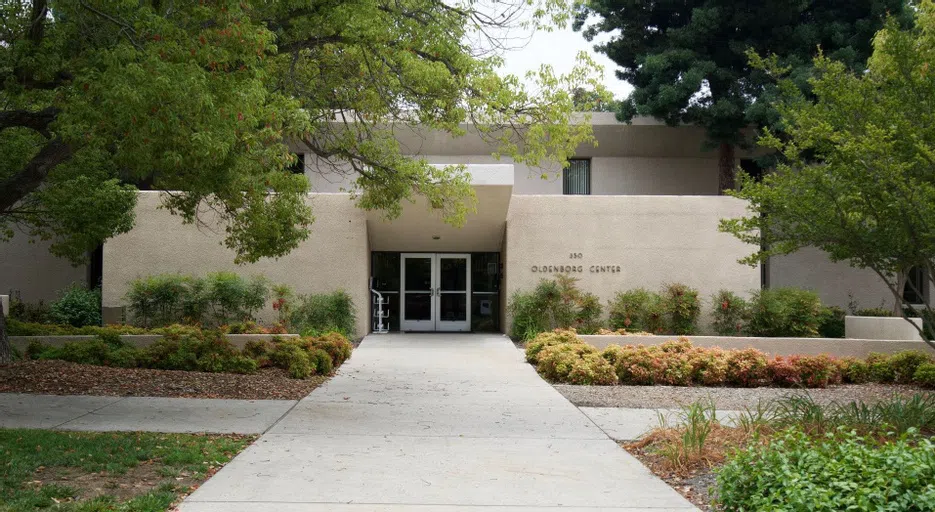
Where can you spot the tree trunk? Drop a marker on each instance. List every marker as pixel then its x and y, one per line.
pixel 726 168
pixel 6 353
pixel 901 278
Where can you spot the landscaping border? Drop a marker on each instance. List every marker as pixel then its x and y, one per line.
pixel 838 347
pixel 137 340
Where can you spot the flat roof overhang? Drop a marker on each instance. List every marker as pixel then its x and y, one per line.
pixel 420 229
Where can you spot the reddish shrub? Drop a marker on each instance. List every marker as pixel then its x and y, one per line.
pixel 814 371
pixel 783 372
pixel 709 366
pixel 746 367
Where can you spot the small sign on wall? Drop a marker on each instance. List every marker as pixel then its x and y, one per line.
pixel 576 269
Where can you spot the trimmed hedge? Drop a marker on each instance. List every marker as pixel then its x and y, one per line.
pixel 191 349
pixel 679 363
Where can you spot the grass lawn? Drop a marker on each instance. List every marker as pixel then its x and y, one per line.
pixel 81 471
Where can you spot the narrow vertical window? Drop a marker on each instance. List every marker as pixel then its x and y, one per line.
pixel 298 167
pixel 576 178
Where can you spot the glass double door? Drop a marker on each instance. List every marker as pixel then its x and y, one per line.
pixel 435 292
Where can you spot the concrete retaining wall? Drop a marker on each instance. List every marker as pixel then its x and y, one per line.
pixel 135 340
pixel 882 328
pixel 839 347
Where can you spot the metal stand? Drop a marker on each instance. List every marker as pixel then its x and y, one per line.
pixel 378 313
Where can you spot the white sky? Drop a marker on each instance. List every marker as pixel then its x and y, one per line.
pixel 559 49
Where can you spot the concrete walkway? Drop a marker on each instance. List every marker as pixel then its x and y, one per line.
pixel 114 413
pixel 435 423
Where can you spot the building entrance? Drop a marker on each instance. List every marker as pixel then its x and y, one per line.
pixel 435 292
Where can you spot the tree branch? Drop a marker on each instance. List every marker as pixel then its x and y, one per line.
pixel 34 120
pixel 33 174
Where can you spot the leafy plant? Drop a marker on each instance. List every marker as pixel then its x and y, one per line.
pixel 785 312
pixel 925 375
pixel 730 311
pixel 637 310
pixel 682 307
pixel 874 312
pixel 904 365
pixel 838 471
pixel 548 339
pixel 77 307
pixel 38 312
pixel 554 304
pixel 832 322
pixel 321 313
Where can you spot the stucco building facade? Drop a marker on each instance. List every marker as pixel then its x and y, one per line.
pixel 638 210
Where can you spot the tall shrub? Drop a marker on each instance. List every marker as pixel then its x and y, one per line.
pixel 729 312
pixel 319 313
pixel 159 300
pixel 78 306
pixel 785 312
pixel 637 310
pixel 232 298
pixel 554 304
pixel 682 308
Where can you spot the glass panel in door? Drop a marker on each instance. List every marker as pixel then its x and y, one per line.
pixel 417 304
pixel 454 285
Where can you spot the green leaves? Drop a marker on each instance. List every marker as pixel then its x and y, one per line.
pixel 856 180
pixel 201 99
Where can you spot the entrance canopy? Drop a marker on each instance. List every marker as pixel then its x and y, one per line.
pixel 419 229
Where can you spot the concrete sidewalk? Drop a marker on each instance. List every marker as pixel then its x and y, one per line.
pixel 106 413
pixel 436 423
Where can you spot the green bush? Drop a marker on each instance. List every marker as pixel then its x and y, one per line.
pixel 39 312
pixel 637 310
pixel 320 313
pixel 574 363
pixel 321 360
pixel 925 375
pixel 879 368
pixel 77 307
pixel 257 348
pixel 854 371
pixel 682 307
pixel 335 344
pixel 17 328
pixel 218 299
pixel 548 339
pixel 874 312
pixel 124 357
pixel 904 365
pixel 838 472
pixel 554 304
pixel 785 312
pixel 832 322
pixel 729 313
pixel 241 364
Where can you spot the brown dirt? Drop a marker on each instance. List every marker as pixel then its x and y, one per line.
pixel 124 487
pixel 63 378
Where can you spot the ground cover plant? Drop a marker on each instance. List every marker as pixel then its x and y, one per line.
pixel 188 348
pixel 679 363
pixel 107 471
pixel 796 454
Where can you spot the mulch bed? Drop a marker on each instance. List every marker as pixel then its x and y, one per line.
pixel 697 485
pixel 63 378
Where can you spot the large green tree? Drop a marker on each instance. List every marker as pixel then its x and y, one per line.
pixel 687 59
pixel 858 175
pixel 198 99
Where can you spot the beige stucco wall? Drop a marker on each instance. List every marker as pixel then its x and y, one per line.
pixel 29 270
pixel 335 256
pixel 651 176
pixel 609 175
pixel 836 283
pixel 652 239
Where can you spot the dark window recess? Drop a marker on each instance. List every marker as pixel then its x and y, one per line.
pixel 384 268
pixel 753 168
pixel 916 290
pixel 485 285
pixel 298 167
pixel 96 267
pixel 576 178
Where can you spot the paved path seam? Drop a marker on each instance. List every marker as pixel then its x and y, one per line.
pixel 92 411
